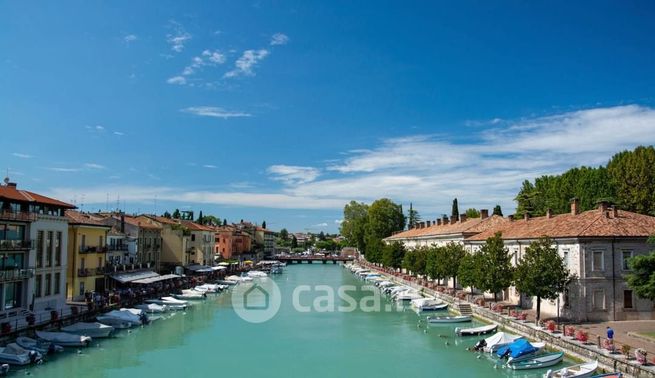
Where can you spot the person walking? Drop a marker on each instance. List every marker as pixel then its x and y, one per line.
pixel 610 338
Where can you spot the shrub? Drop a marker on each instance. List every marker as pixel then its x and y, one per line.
pixel 581 336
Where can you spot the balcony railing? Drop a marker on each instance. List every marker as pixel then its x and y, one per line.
pixel 18 216
pixel 8 245
pixel 118 247
pixel 119 268
pixel 16 274
pixel 87 249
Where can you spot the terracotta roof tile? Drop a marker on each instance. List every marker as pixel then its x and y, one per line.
pixel 592 223
pixel 12 193
pixel 75 217
pixel 469 226
pixel 196 226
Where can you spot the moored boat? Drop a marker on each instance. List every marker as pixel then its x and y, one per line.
pixel 190 295
pixel 500 339
pixel 94 330
pixel 39 345
pixel 538 362
pixel 584 370
pixel 519 350
pixel 121 319
pixel 64 339
pixel 476 330
pixel 152 308
pixel 609 375
pixel 14 354
pixel 449 319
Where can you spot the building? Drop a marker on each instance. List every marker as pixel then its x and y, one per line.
pixel 266 239
pixel 201 244
pixel 231 242
pixel 120 247
pixel 144 233
pixel 595 246
pixel 33 245
pixel 87 254
pixel 446 230
pixel 175 243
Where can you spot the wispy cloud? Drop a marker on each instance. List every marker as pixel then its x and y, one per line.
pixel 22 155
pixel 213 111
pixel 210 166
pixel 63 169
pixel 207 58
pixel 279 39
pixel 293 175
pixel 319 225
pixel 130 38
pixel 94 166
pixel 178 80
pixel 119 133
pixel 338 221
pixel 178 37
pixel 246 62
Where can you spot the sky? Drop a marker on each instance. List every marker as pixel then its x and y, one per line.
pixel 284 111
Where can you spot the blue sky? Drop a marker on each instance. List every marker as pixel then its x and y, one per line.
pixel 284 111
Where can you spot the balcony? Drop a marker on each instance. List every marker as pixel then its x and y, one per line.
pixel 16 274
pixel 121 268
pixel 88 272
pixel 87 249
pixel 18 216
pixel 10 245
pixel 117 248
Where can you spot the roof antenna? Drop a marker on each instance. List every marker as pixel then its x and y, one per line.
pixel 7 177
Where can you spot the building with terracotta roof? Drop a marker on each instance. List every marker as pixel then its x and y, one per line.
pixel 595 245
pixel 201 243
pixel 33 244
pixel 231 242
pixel 87 254
pixel 175 242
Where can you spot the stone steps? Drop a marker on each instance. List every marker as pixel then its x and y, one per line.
pixel 464 308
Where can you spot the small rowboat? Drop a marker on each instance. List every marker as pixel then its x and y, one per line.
pixel 476 330
pixel 576 371
pixel 449 319
pixel 538 362
pixel 609 375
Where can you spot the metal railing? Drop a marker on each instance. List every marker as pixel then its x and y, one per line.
pixel 88 249
pixel 118 247
pixel 18 216
pixel 8 245
pixel 16 274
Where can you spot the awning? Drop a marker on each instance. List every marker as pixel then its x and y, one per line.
pixel 133 276
pixel 199 268
pixel 223 263
pixel 156 279
pixel 218 268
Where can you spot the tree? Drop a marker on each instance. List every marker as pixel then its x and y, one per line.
pixel 383 219
pixel 455 211
pixel 166 215
pixel 541 272
pixel 224 222
pixel 633 175
pixel 294 241
pixel 497 211
pixel 642 276
pixel 471 270
pixel 452 255
pixel 472 213
pixel 393 255
pixel 284 234
pixel 321 236
pixel 176 214
pixel 412 217
pixel 200 217
pixel 264 224
pixel 210 220
pixel 497 262
pixel 414 260
pixel 353 227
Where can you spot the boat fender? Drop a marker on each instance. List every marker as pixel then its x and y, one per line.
pixel 457 330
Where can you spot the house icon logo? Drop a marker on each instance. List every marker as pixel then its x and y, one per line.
pixel 256 302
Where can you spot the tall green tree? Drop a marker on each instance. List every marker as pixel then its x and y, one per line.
pixel 633 175
pixel 200 218
pixel 383 219
pixel 294 241
pixel 264 224
pixel 642 276
pixel 498 272
pixel 451 256
pixel 472 213
pixel 353 227
pixel 541 272
pixel 176 214
pixel 393 255
pixel 413 217
pixel 471 270
pixel 455 209
pixel 166 215
pixel 433 263
pixel 224 222
pixel 415 260
pixel 497 211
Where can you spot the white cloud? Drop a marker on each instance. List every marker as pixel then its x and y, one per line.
pixel 319 225
pixel 210 166
pixel 338 221
pixel 213 111
pixel 130 38
pixel 246 62
pixel 22 156
pixel 279 39
pixel 207 58
pixel 293 175
pixel 94 166
pixel 63 169
pixel 119 133
pixel 178 37
pixel 177 80
pixel 215 57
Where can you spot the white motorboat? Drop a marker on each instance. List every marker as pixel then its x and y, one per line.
pixel 39 345
pixel 537 348
pixel 428 304
pixel 500 339
pixel 14 354
pixel 209 288
pixel 576 371
pixel 190 295
pixel 475 331
pixel 119 319
pixel 152 308
pixel 408 296
pixel 64 339
pixel 238 279
pixel 449 319
pixel 538 362
pixel 257 274
pixel 94 330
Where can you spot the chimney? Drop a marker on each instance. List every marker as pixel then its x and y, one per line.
pixel 510 217
pixel 439 222
pixel 445 220
pixel 526 216
pixel 12 185
pixel 615 212
pixel 453 219
pixel 462 218
pixel 575 206
pixel 484 213
pixel 122 223
pixel 549 213
pixel 427 223
pixel 603 206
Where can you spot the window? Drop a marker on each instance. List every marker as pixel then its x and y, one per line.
pixel 13 291
pixel 82 288
pixel 12 232
pixel 100 240
pixel 82 265
pixel 193 237
pixel 627 255
pixel 627 299
pixel 99 262
pixel 37 285
pixel 48 284
pixel 58 249
pixel 83 241
pixel 565 252
pixel 598 260
pixel 48 251
pixel 598 300
pixel 57 283
pixel 39 249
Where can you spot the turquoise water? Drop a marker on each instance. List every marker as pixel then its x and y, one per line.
pixel 211 340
